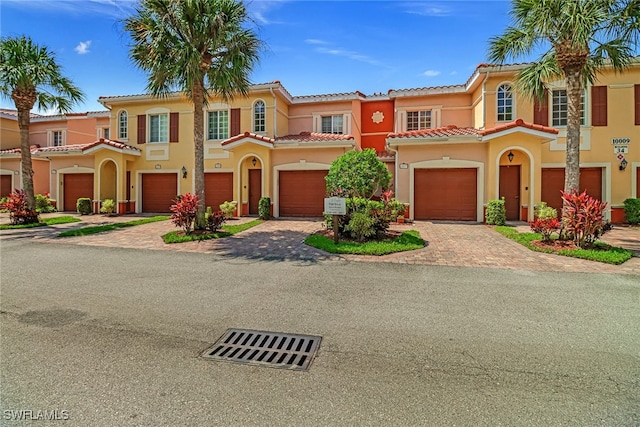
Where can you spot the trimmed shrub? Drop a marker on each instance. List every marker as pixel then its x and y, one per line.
pixel 229 208
pixel 108 207
pixel 43 203
pixel 496 214
pixel 184 210
pixel 632 210
pixel 361 226
pixel 83 206
pixel 2 203
pixel 583 219
pixel 543 211
pixel 264 208
pixel 215 220
pixel 382 212
pixel 19 213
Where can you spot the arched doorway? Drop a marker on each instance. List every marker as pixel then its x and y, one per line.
pixel 108 184
pixel 254 180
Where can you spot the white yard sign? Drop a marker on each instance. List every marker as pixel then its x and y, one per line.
pixel 335 206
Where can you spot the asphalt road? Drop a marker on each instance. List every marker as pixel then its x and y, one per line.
pixel 110 337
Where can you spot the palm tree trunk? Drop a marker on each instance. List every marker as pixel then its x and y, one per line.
pixel 198 144
pixel 25 154
pixel 574 119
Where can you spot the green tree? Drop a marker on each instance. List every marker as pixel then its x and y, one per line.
pixel 579 37
pixel 30 76
pixel 199 47
pixel 357 174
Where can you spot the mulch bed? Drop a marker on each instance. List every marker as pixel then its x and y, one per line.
pixel 558 245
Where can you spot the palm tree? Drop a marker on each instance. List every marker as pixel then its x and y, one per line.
pixel 29 75
pixel 582 37
pixel 200 47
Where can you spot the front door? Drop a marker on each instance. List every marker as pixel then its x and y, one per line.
pixel 255 190
pixel 510 190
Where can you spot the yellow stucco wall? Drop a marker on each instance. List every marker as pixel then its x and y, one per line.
pixel 9 133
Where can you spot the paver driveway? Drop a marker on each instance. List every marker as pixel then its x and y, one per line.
pixel 452 244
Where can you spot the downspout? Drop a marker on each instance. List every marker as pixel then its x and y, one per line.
pixel 275 113
pixel 484 109
pixel 395 167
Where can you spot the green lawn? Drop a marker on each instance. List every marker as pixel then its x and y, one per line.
pixel 178 236
pixel 49 221
pixel 94 229
pixel 407 241
pixel 601 252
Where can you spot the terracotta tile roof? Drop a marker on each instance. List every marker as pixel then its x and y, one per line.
pixel 111 143
pixel 18 150
pixel 518 123
pixel 14 113
pixel 248 135
pixel 82 147
pixel 315 137
pixel 386 155
pixel 441 132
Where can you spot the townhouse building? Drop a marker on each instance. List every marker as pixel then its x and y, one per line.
pixel 450 149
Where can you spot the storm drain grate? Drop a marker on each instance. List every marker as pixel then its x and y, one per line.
pixel 273 349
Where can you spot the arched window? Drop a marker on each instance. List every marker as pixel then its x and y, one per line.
pixel 259 117
pixel 505 103
pixel 123 125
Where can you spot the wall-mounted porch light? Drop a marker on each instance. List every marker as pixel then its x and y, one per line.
pixel 623 164
pixel 510 156
pixel 184 172
pixel 254 161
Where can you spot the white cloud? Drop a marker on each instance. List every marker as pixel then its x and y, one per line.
pixel 315 41
pixel 427 9
pixel 258 10
pixel 349 54
pixel 113 8
pixel 431 73
pixel 83 47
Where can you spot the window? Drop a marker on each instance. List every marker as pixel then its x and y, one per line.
pixel 218 125
pixel 332 124
pixel 159 128
pixel 123 122
pixel 560 108
pixel 105 133
pixel 417 120
pixel 505 103
pixel 259 117
pixel 57 138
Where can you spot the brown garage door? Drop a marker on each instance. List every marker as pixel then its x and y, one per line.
pixel 5 185
pixel 218 188
pixel 76 185
pixel 446 194
pixel 302 193
pixel 553 183
pixel 158 191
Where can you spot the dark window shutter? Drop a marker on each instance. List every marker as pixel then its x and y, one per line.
pixel 142 129
pixel 599 105
pixel 541 110
pixel 637 102
pixel 174 129
pixel 235 122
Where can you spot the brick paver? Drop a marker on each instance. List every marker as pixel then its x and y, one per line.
pixel 450 244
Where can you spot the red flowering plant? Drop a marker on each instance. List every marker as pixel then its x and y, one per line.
pixel 583 218
pixel 545 221
pixel 184 211
pixel 19 213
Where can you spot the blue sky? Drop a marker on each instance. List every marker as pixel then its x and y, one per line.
pixel 312 47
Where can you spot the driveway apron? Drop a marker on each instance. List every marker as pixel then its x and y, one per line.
pixel 447 243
